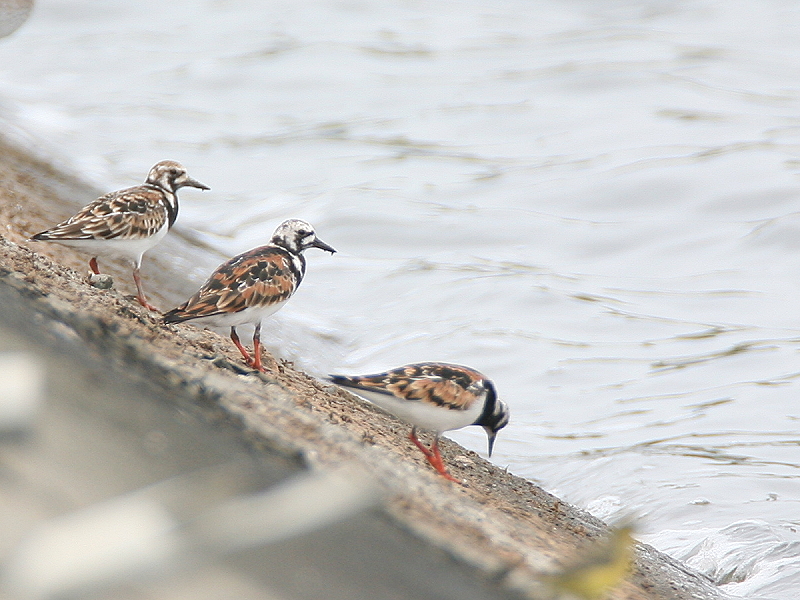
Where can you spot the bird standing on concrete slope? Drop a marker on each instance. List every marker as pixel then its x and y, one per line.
pixel 253 285
pixel 436 396
pixel 126 223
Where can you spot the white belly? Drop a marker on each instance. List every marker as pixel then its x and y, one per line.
pixel 130 249
pixel 423 415
pixel 249 315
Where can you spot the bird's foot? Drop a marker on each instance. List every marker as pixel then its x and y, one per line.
pixel 143 301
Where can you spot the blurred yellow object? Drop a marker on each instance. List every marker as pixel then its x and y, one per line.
pixel 599 570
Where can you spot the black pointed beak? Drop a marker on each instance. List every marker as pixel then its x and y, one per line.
pixel 322 246
pixel 492 435
pixel 195 184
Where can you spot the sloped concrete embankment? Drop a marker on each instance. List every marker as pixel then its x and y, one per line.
pixel 172 391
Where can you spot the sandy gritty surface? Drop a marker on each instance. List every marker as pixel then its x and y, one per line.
pixel 503 525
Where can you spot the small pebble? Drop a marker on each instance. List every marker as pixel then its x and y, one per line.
pixel 101 281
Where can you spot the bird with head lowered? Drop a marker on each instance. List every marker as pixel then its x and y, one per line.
pixel 435 396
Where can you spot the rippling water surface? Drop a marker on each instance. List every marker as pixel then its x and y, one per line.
pixel 596 203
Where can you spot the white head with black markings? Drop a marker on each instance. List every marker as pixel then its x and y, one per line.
pixel 495 414
pixel 170 175
pixel 295 236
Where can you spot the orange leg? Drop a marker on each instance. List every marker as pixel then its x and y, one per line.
pixel 93 266
pixel 433 455
pixel 257 349
pixel 140 290
pixel 242 349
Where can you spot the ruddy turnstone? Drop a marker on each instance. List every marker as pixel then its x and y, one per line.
pixel 126 223
pixel 436 396
pixel 252 286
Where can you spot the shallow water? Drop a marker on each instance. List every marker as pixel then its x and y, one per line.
pixel 595 203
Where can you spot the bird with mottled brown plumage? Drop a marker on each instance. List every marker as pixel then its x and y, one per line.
pixel 126 223
pixel 435 396
pixel 253 285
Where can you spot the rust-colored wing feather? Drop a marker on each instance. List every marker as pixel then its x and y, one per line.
pixel 445 385
pixel 134 213
pixel 260 277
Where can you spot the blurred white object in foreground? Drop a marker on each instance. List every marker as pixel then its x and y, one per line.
pixel 292 508
pixel 135 537
pixel 106 542
pixel 21 389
